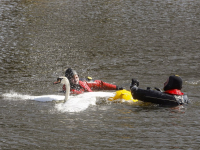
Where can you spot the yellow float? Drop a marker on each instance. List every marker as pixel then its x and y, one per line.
pixel 122 96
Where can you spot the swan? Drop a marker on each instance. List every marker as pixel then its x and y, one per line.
pixel 64 80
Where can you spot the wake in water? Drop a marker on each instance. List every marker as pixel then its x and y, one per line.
pixel 74 103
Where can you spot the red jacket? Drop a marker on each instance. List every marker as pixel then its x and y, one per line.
pixel 89 86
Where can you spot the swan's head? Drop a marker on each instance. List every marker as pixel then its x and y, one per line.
pixel 61 80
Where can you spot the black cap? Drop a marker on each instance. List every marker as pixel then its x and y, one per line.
pixel 175 82
pixel 69 73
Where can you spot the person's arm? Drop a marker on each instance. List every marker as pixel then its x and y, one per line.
pixel 84 85
pixel 106 86
pixel 100 85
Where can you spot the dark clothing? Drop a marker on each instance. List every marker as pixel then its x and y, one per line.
pixel 168 98
pixel 172 96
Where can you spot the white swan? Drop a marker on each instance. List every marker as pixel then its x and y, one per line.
pixel 64 80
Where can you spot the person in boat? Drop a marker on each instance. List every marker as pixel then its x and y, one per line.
pixel 77 86
pixel 172 95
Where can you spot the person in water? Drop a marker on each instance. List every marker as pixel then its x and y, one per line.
pixel 77 86
pixel 172 95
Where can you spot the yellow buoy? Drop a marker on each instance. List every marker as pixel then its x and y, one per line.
pixel 123 95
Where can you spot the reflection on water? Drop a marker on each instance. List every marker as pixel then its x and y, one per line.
pixel 109 40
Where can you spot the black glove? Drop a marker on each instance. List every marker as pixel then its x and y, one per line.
pixel 119 88
pixel 135 83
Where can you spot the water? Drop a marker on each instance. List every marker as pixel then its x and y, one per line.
pixel 109 40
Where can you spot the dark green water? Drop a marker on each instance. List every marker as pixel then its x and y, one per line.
pixel 109 40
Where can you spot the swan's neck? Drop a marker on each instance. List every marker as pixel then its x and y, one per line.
pixel 67 84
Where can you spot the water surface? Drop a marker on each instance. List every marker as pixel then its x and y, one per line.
pixel 109 40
